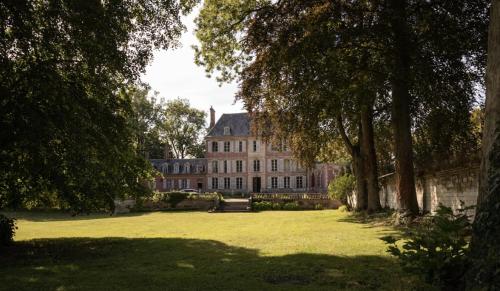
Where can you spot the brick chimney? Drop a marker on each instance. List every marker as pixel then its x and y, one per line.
pixel 212 117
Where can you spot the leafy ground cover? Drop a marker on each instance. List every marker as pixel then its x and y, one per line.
pixel 278 250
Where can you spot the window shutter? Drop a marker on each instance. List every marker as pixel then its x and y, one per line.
pixel 280 182
pixel 280 165
pixel 209 167
pixel 243 165
pixel 293 182
pixel 188 183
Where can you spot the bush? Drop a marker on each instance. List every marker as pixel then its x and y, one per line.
pixel 341 187
pixel 174 198
pixel 437 248
pixel 318 206
pixel 7 230
pixel 291 206
pixel 343 208
pixel 263 205
pixel 277 206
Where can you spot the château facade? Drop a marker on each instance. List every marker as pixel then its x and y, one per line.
pixel 238 162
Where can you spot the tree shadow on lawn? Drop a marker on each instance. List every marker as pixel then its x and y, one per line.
pixel 185 264
pixel 55 215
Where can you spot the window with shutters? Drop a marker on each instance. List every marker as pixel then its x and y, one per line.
pixel 274 165
pixel 256 165
pixel 227 183
pixel 239 166
pixel 286 182
pixel 274 182
pixel 239 183
pixel 286 165
pixel 215 183
pixel 299 183
pixel 215 146
pixel 215 166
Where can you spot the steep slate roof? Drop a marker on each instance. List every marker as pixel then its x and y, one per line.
pixel 239 124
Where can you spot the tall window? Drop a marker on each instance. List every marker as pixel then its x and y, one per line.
pixel 187 168
pixel 184 183
pixel 215 146
pixel 286 182
pixel 274 182
pixel 215 166
pixel 227 183
pixel 239 166
pixel 254 145
pixel 227 146
pixel 215 183
pixel 285 146
pixel 286 165
pixel 225 166
pixel 176 168
pixel 299 182
pixel 274 165
pixel 239 183
pixel 256 165
pixel 240 146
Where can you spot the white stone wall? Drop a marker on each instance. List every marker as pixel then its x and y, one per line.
pixel 447 187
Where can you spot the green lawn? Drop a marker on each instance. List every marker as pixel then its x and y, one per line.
pixel 303 250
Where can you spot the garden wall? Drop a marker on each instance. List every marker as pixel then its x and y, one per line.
pixel 447 187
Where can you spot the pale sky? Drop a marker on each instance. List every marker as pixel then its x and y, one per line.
pixel 173 74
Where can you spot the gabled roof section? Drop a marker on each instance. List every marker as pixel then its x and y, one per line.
pixel 238 123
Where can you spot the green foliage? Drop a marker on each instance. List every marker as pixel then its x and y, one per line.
pixel 341 187
pixel 7 230
pixel 262 205
pixel 291 206
pixel 343 208
pixel 183 129
pixel 437 248
pixel 65 126
pixel 147 115
pixel 318 206
pixel 172 198
pixel 277 206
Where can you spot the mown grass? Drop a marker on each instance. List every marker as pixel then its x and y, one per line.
pixel 275 250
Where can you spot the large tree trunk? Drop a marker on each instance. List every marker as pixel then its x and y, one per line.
pixel 485 245
pixel 358 166
pixel 369 158
pixel 359 171
pixel 401 100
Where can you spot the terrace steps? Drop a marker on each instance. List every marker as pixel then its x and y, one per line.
pixel 235 205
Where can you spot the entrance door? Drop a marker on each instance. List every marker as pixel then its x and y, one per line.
pixel 256 184
pixel 200 186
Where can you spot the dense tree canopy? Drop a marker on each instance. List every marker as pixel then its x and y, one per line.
pixel 65 130
pixel 182 129
pixel 304 64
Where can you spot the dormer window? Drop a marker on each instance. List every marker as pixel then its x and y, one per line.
pixel 227 130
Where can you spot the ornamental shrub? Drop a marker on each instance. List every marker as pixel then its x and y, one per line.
pixel 277 206
pixel 437 248
pixel 342 187
pixel 318 206
pixel 291 206
pixel 7 230
pixel 343 208
pixel 174 198
pixel 262 205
